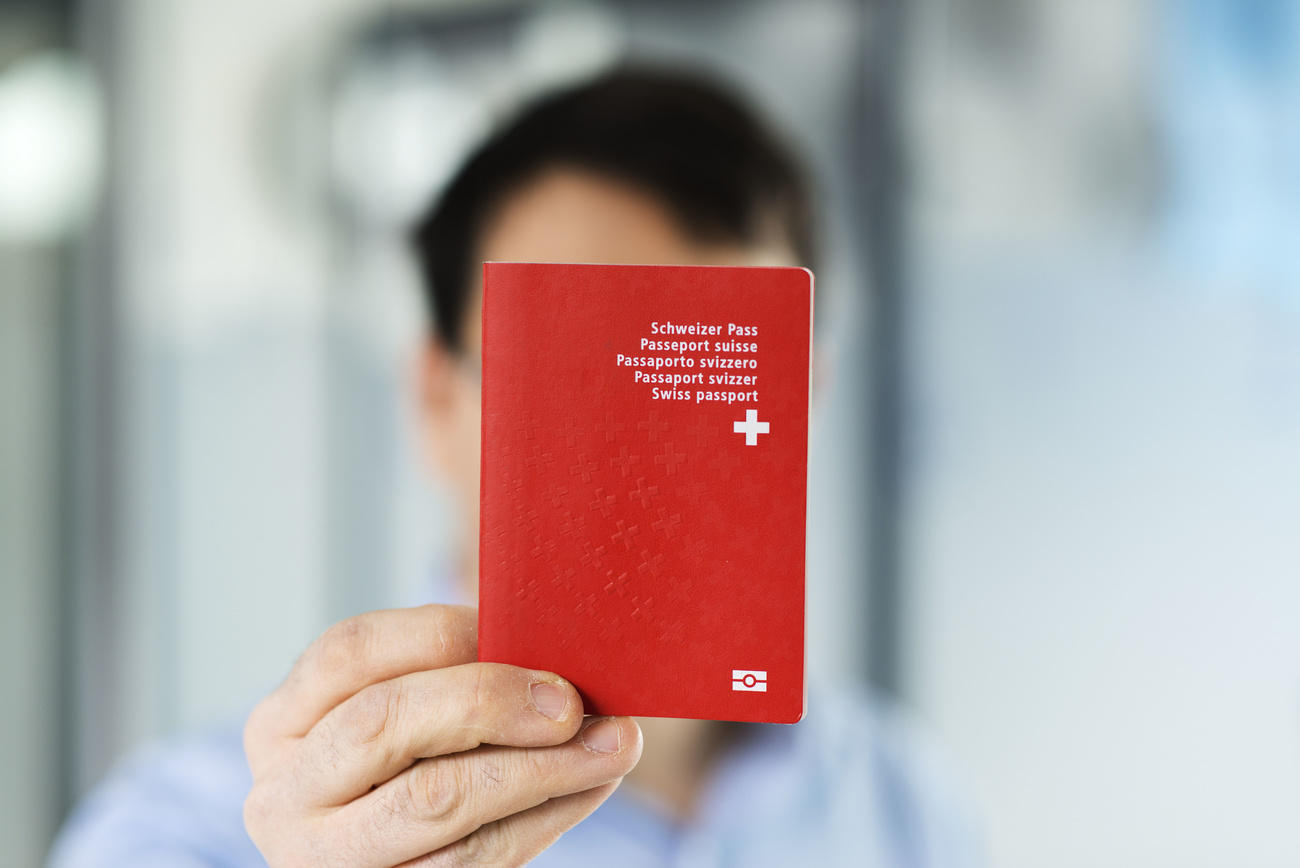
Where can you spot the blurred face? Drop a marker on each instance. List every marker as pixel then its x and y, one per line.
pixel 564 215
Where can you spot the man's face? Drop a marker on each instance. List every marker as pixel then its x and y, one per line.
pixel 564 215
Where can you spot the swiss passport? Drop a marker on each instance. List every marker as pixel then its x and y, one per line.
pixel 644 483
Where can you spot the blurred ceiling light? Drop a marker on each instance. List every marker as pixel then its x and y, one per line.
pixel 399 126
pixel 561 42
pixel 51 147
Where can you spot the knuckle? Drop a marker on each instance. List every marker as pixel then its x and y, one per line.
pixel 490 845
pixel 372 712
pixel 284 837
pixel 253 737
pixel 343 645
pixel 434 792
pixel 487 846
pixel 256 813
pixel 256 721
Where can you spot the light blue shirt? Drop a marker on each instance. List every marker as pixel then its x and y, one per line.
pixel 847 786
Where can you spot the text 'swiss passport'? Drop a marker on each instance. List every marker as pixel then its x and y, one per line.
pixel 644 481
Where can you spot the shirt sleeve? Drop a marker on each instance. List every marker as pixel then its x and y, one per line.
pixel 925 811
pixel 179 804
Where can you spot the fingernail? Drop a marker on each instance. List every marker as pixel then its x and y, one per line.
pixel 549 698
pixel 601 736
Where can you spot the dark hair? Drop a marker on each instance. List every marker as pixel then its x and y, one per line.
pixel 682 138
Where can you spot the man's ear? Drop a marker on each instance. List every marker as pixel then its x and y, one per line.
pixel 436 381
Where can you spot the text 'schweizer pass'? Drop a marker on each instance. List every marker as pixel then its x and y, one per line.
pixel 644 484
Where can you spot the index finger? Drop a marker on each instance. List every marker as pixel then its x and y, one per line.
pixel 364 650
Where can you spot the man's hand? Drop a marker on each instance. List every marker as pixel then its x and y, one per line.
pixel 388 745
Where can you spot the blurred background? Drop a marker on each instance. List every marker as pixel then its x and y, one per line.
pixel 1056 468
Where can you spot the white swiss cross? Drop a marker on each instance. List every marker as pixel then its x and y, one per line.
pixel 751 427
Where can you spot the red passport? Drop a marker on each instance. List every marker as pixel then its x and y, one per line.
pixel 644 483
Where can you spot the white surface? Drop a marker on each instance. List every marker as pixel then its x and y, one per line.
pixel 1105 555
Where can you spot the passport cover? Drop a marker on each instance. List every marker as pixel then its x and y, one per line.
pixel 644 483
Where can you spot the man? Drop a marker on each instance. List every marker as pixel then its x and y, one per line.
pixel 388 744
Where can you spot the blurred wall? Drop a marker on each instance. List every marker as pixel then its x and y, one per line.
pixel 1102 553
pixel 220 304
pixel 28 554
pixel 48 153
